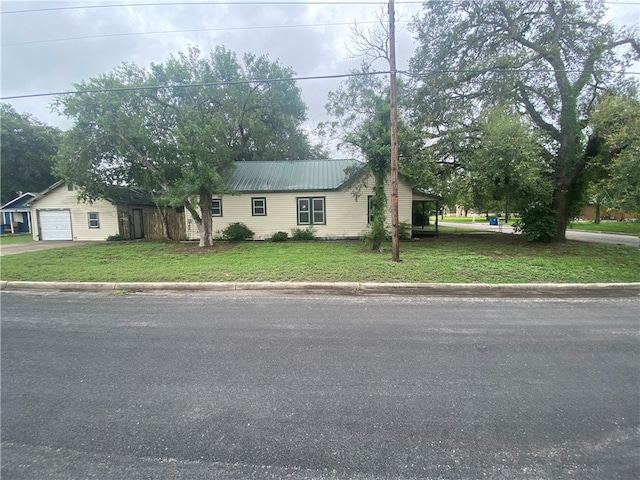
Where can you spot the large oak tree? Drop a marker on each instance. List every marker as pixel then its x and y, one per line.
pixel 176 129
pixel 548 58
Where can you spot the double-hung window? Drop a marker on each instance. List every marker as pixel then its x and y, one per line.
pixel 311 211
pixel 94 219
pixel 369 208
pixel 258 206
pixel 216 207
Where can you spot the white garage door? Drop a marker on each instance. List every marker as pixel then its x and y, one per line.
pixel 55 225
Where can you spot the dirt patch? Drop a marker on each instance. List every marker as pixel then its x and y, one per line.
pixel 192 248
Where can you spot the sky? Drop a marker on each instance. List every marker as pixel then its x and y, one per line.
pixel 313 39
pixel 48 51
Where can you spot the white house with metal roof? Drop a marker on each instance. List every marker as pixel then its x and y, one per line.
pixel 273 196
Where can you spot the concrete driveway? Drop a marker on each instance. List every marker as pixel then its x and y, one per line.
pixel 14 248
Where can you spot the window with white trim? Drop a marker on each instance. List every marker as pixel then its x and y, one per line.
pixel 94 219
pixel 216 207
pixel 311 210
pixel 258 206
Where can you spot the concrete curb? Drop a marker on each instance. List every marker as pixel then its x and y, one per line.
pixel 350 288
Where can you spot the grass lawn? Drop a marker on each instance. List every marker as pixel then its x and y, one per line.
pixel 484 257
pixel 609 226
pixel 15 238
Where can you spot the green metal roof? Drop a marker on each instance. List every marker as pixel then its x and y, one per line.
pixel 285 175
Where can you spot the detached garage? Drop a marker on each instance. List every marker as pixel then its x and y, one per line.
pixel 55 224
pixel 59 214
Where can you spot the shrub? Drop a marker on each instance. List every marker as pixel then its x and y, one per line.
pixel 537 222
pixel 279 237
pixel 301 234
pixel 116 238
pixel 237 232
pixel 404 231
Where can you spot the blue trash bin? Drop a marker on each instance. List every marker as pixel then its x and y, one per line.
pixel 493 221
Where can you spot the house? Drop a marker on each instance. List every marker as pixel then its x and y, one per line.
pixel 16 214
pixel 59 214
pixel 331 196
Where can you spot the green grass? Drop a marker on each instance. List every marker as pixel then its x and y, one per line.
pixel 15 238
pixel 608 226
pixel 486 257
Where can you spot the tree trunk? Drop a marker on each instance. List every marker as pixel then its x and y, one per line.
pixel 205 227
pixel 163 220
pixel 202 217
pixel 561 204
pixel 597 219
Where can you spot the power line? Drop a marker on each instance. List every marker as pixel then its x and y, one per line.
pixel 161 32
pixel 162 4
pixel 194 85
pixel 279 80
pixel 252 3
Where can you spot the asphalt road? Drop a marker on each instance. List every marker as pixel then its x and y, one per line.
pixel 263 386
pixel 580 235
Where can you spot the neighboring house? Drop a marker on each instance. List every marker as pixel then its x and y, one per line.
pixel 16 214
pixel 58 214
pixel 272 196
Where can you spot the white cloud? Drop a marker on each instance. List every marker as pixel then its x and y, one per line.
pixel 55 66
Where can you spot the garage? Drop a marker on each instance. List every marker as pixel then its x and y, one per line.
pixel 55 224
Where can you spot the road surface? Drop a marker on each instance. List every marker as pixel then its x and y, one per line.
pixel 333 387
pixel 583 236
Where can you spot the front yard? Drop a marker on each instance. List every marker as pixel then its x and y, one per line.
pixel 466 258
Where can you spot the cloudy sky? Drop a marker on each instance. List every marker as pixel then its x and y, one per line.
pixel 47 49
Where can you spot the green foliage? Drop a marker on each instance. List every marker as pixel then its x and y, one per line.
pixel 537 222
pixel 27 148
pixel 237 232
pixel 404 230
pixel 117 238
pixel 181 142
pixel 475 55
pixel 614 171
pixel 303 234
pixel 280 237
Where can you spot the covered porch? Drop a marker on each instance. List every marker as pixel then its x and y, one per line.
pixel 424 214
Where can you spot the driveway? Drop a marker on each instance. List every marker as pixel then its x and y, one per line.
pixel 14 248
pixel 597 237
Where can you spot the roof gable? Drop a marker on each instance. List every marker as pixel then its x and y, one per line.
pixel 286 176
pixel 19 203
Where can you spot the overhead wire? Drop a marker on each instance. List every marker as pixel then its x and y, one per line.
pixel 254 3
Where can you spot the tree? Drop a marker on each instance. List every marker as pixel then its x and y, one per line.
pixel 363 126
pixel 502 165
pixel 176 129
pixel 548 58
pixel 616 121
pixel 27 148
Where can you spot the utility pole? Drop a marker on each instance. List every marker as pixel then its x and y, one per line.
pixel 395 237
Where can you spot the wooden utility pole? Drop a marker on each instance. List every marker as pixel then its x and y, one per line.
pixel 395 236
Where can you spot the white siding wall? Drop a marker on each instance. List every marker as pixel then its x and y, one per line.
pixel 345 216
pixel 62 199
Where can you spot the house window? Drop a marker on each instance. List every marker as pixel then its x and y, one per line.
pixel 258 206
pixel 94 220
pixel 370 209
pixel 216 207
pixel 311 211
